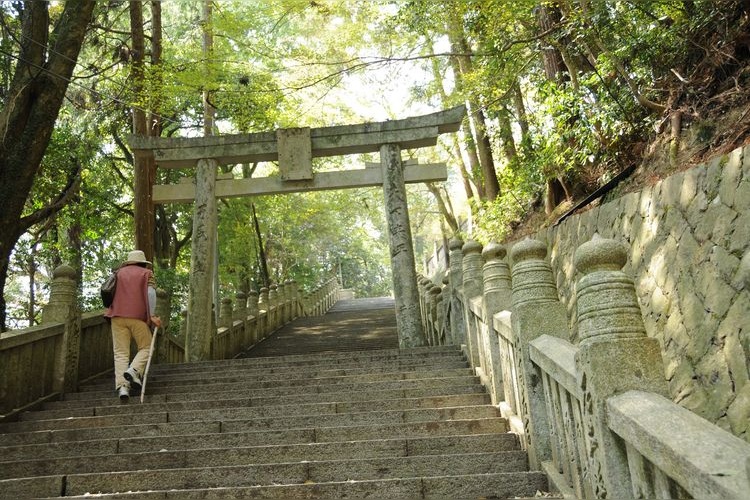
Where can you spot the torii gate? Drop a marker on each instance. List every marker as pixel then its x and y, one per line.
pixel 294 149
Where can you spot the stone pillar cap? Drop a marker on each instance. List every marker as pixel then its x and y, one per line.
pixel 600 254
pixel 471 246
pixel 528 249
pixel 494 251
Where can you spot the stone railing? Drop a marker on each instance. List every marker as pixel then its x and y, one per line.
pixel 42 363
pixel 321 299
pixel 595 416
pixel 251 318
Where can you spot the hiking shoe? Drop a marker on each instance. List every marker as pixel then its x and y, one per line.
pixel 124 394
pixel 132 376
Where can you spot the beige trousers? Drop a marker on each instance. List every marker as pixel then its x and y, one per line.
pixel 123 330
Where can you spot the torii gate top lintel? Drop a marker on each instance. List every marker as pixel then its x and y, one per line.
pixel 408 133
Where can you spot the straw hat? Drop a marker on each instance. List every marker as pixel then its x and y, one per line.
pixel 136 257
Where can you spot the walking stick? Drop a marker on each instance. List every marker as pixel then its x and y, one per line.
pixel 148 363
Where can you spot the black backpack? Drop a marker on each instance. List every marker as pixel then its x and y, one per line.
pixel 107 289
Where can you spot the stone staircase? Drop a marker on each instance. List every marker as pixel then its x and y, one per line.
pixel 383 423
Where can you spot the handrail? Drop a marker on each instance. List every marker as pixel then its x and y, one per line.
pixel 44 362
pixel 702 459
pixel 592 415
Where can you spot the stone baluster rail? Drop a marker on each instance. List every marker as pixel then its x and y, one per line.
pixel 595 416
pixel 44 362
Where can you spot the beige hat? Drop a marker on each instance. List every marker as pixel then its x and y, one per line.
pixel 136 257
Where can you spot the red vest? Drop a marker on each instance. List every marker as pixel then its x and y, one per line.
pixel 131 294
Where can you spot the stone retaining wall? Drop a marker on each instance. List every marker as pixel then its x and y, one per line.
pixel 688 235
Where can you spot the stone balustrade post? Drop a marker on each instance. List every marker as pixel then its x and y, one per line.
pixel 240 306
pixel 439 309
pixel 263 299
pixel 252 303
pixel 496 298
pixel 225 313
pixel 472 287
pixel 288 301
pixel 280 304
pixel 263 307
pixel 296 301
pixel 240 314
pixel 434 292
pixel 614 356
pixel 458 329
pixel 163 310
pixel 445 298
pixel 63 308
pixel 536 311
pixel 252 311
pixel 422 282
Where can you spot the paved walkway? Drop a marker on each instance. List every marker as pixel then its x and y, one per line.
pixel 350 325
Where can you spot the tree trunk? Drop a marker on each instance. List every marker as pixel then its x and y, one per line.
pixel 261 252
pixel 465 176
pixel 34 99
pixel 143 165
pixel 462 65
pixel 447 214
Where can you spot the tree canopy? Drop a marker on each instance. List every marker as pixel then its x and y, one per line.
pixel 562 96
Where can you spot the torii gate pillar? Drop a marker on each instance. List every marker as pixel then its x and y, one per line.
pixel 200 300
pixel 403 266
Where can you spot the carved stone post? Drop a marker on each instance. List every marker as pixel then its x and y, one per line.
pixel 433 295
pixel 240 307
pixel 536 311
pixel 456 280
pixel 273 310
pixel 263 299
pixel 252 311
pixel 496 298
pixel 440 313
pixel 296 301
pixel 615 356
pixel 263 313
pixel 225 313
pixel 403 267
pixel 422 282
pixel 472 287
pixel 63 308
pixel 163 309
pixel 200 300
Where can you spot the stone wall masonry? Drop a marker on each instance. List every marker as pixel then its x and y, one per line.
pixel 689 239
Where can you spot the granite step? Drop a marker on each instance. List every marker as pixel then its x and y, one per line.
pixel 498 486
pixel 298 448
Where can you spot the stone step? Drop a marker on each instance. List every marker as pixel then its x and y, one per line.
pixel 292 407
pixel 202 435
pixel 264 454
pixel 286 387
pixel 496 486
pixel 268 406
pixel 293 473
pixel 293 378
pixel 256 398
pixel 317 370
pixel 328 360
pixel 250 418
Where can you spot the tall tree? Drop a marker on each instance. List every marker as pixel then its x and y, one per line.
pixel 43 71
